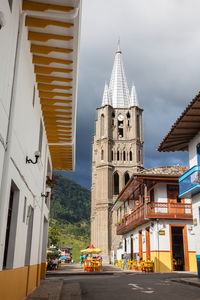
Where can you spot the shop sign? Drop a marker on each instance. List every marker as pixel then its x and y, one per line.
pixel 161 232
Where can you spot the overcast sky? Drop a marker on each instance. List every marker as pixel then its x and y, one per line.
pixel 160 43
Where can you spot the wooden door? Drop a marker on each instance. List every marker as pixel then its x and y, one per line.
pixel 140 245
pixel 148 255
pixel 173 200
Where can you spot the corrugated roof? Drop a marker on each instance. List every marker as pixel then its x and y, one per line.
pixel 184 129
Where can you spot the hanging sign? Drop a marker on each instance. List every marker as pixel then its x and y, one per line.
pixel 161 232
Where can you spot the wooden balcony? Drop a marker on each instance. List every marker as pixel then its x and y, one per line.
pixel 133 220
pixel 160 210
pixel 155 210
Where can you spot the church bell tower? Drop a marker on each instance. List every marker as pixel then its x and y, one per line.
pixel 117 152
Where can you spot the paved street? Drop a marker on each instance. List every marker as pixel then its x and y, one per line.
pixel 128 286
pixel 71 283
pixel 136 286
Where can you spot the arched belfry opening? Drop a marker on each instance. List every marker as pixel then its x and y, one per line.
pixel 130 156
pixel 102 155
pixel 102 125
pixel 116 183
pixel 126 178
pixel 124 156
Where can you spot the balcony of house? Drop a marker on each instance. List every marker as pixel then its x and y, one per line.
pixel 189 183
pixel 176 210
pixel 131 221
pixel 154 210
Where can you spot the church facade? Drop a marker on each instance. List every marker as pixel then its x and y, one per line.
pixel 117 153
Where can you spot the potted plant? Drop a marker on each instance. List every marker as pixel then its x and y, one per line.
pixel 50 182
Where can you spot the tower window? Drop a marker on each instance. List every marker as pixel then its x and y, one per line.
pixel 126 178
pixel 113 117
pixel 120 126
pixel 130 155
pixel 124 155
pixel 116 184
pixel 128 115
pixel 111 155
pixel 138 126
pixel 117 155
pixel 102 125
pixel 102 155
pixel 139 155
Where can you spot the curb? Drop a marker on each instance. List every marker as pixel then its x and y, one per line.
pixel 197 284
pixel 79 273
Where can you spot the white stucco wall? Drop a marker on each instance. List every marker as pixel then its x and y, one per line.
pixel 159 242
pixel 193 150
pixel 24 140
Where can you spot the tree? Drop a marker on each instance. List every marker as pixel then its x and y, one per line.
pixel 54 235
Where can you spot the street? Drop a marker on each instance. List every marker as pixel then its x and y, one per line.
pixel 128 286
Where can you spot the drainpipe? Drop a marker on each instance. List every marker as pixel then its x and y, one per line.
pixel 4 183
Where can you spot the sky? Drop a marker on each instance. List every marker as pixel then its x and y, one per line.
pixel 160 50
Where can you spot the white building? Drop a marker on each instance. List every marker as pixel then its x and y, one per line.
pixel 154 223
pixel 39 42
pixel 185 135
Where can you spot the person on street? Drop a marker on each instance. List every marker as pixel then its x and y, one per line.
pixel 125 263
pixel 138 261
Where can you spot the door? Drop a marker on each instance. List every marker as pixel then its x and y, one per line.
pixel 132 248
pixel 148 244
pixel 174 200
pixel 177 249
pixel 140 245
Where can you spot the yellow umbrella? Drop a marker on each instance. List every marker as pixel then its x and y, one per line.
pixel 91 250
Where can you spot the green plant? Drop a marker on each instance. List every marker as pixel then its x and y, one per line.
pixel 51 182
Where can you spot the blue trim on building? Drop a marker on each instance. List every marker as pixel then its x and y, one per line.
pixel 189 172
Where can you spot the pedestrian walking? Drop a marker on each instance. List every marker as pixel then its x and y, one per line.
pixel 125 263
pixel 138 261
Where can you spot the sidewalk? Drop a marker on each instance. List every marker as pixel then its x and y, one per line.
pixel 76 269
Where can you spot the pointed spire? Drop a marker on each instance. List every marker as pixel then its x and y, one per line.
pixel 118 88
pixel 106 98
pixel 134 98
pixel 118 47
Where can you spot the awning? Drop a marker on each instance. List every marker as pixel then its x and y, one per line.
pixel 53 32
pixel 184 129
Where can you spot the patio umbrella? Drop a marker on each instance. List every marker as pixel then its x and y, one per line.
pixel 63 257
pixel 91 250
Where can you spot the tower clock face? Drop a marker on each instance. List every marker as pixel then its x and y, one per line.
pixel 121 117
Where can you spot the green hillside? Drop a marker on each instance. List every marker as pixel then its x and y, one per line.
pixel 70 201
pixel 69 215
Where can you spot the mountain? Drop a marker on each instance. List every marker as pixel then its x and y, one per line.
pixel 70 202
pixel 69 215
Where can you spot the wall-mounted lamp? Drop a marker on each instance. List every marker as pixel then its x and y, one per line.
pixel 45 195
pixel 37 155
pixel 2 20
